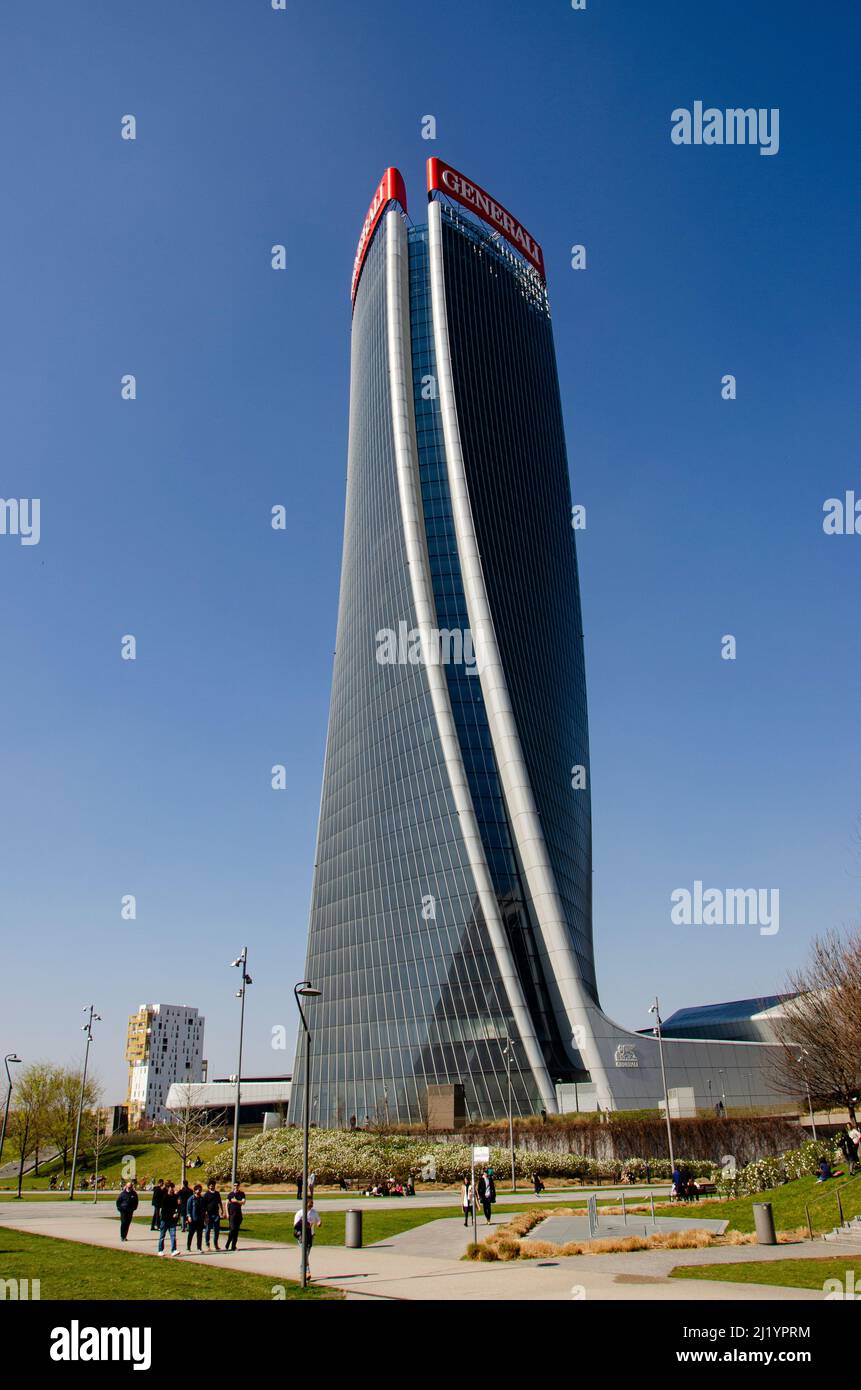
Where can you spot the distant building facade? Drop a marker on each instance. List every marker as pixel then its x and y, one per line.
pixel 739 1020
pixel 259 1097
pixel 164 1044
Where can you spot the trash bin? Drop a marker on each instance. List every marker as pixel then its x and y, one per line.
pixel 353 1239
pixel 763 1217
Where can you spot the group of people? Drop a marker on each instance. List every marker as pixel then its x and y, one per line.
pixel 391 1187
pixel 197 1211
pixel 685 1186
pixel 482 1193
pixel 849 1144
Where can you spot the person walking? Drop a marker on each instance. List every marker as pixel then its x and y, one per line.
pixel 157 1194
pixel 235 1203
pixel 487 1193
pixel 127 1204
pixel 168 1218
pixel 855 1136
pixel 195 1215
pixel 313 1222
pixel 183 1194
pixel 467 1197
pixel 214 1208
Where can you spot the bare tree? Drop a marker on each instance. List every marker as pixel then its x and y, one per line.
pixel 99 1139
pixel 820 1028
pixel 188 1124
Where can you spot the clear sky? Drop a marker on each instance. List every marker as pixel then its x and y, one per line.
pixel 704 516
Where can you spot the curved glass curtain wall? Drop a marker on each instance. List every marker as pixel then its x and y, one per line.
pixel 509 410
pixel 408 998
pixel 465 689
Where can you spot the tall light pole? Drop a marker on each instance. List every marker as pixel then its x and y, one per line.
pixel 307 991
pixel 241 962
pixel 654 1009
pixel 10 1057
pixel 88 1029
pixel 805 1053
pixel 506 1052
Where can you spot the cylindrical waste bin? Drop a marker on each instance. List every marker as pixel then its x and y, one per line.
pixel 353 1239
pixel 764 1220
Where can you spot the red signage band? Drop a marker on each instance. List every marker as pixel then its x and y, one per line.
pixel 391 187
pixel 443 179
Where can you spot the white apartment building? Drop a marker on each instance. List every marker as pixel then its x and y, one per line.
pixel 164 1045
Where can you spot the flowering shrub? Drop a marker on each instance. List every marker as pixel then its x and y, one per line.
pixel 275 1156
pixel 766 1173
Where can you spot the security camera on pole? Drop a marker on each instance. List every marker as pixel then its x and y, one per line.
pixel 654 1009
pixel 307 991
pixel 10 1057
pixel 241 962
pixel 88 1029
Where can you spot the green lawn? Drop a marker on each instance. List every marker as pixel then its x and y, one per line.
pixel 69 1270
pixel 151 1160
pixel 794 1274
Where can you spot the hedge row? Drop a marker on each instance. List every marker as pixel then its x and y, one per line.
pixel 276 1156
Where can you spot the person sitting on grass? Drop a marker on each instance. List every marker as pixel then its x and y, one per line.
pixel 824 1170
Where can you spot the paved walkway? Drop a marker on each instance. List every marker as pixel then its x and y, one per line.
pixel 561 1229
pixel 423 1263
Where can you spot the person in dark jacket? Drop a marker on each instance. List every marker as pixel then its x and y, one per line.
pixel 214 1209
pixel 195 1215
pixel 127 1204
pixel 235 1203
pixel 487 1192
pixel 168 1218
pixel 183 1193
pixel 157 1194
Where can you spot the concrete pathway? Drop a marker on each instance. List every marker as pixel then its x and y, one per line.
pixel 561 1229
pixel 422 1264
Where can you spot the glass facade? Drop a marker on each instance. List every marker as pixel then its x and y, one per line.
pixel 397 941
pixel 411 987
pixel 512 436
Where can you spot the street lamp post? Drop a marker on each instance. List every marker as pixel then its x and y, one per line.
pixel 241 961
pixel 656 1011
pixel 88 1029
pixel 307 991
pixel 506 1052
pixel 805 1053
pixel 10 1057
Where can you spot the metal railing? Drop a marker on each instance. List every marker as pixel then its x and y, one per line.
pixel 836 1201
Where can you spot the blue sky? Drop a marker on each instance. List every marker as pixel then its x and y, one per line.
pixel 704 515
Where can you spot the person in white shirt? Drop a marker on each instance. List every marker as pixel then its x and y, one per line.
pixel 313 1221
